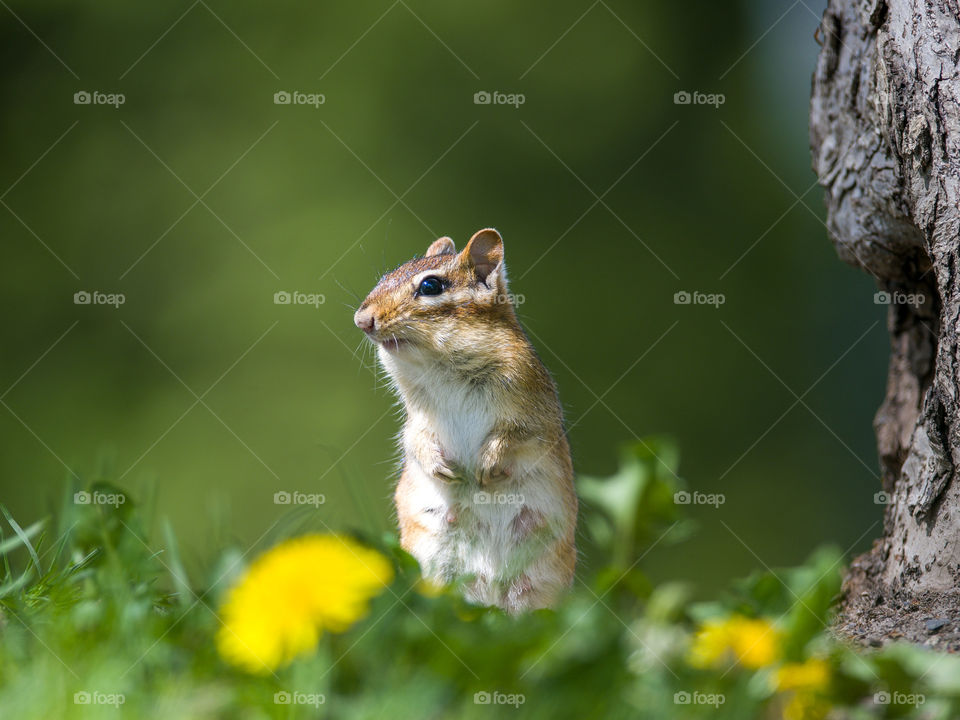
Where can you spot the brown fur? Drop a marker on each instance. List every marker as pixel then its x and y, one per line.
pixel 467 343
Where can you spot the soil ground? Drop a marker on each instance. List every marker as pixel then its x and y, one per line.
pixel 873 615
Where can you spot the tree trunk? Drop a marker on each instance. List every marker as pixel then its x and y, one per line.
pixel 885 138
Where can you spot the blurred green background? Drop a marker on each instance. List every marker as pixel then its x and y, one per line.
pixel 199 198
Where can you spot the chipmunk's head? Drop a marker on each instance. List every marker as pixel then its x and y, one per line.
pixel 445 303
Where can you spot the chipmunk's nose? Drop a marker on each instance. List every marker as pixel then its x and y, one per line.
pixel 365 319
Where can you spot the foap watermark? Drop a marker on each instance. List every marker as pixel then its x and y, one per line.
pixel 282 497
pixel 84 497
pixel 684 697
pixel 95 297
pixel 95 697
pixel 898 698
pixel 882 498
pixel 483 97
pixel 682 297
pixel 899 298
pixel 683 97
pixel 295 97
pixel 682 497
pixel 512 298
pixel 83 97
pixel 497 498
pixel 498 698
pixel 296 297
pixel 285 697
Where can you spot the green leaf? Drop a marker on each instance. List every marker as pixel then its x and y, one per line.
pixel 635 507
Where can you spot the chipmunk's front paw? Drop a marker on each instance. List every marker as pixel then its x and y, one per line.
pixel 434 463
pixel 442 468
pixel 493 464
pixel 490 474
pixel 446 471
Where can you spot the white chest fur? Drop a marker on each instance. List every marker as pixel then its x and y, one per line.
pixel 504 535
pixel 461 424
pixel 478 532
pixel 437 401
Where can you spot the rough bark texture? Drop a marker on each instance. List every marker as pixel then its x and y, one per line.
pixel 885 139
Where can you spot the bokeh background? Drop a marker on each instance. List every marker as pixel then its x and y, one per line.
pixel 199 198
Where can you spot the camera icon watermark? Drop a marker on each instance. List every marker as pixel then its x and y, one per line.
pixel 899 298
pixel 898 698
pixel 683 297
pixel 498 698
pixel 295 97
pixel 497 498
pixel 295 297
pixel 882 498
pixel 84 97
pixel 95 297
pixel 83 497
pixel 282 497
pixel 682 497
pixel 95 697
pixel 285 697
pixel 684 697
pixel 483 97
pixel 683 97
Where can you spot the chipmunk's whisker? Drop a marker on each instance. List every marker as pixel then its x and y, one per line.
pixel 356 296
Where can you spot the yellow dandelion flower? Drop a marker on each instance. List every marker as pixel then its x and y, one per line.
pixel 710 644
pixel 806 706
pixel 810 675
pixel 292 593
pixel 754 643
pixel 806 681
pixel 430 589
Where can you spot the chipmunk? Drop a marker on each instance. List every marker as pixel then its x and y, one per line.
pixel 486 490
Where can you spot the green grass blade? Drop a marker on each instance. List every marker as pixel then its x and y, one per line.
pixel 23 537
pixel 177 571
pixel 14 585
pixel 15 542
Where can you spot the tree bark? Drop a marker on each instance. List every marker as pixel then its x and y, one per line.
pixel 885 140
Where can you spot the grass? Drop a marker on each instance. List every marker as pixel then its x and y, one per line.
pixel 98 619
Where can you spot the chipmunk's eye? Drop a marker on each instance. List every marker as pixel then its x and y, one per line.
pixel 430 286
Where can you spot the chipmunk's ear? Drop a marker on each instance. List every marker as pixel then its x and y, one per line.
pixel 484 254
pixel 443 246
